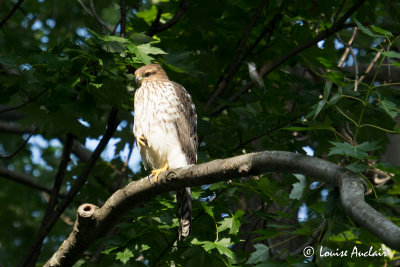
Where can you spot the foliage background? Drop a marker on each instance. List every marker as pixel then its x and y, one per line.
pixel 61 71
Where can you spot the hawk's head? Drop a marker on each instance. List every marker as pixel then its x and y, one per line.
pixel 151 72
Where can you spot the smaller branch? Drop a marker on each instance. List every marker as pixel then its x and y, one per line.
pixel 347 50
pixel 115 28
pixel 10 116
pixel 98 19
pixel 311 240
pixel 12 128
pixel 44 229
pixel 355 68
pixel 235 64
pixel 10 13
pixel 338 11
pixel 374 60
pixel 80 151
pixel 166 249
pixel 268 67
pixel 123 19
pixel 131 146
pixel 93 13
pixel 350 48
pixel 22 178
pixel 269 29
pixel 157 27
pixel 266 133
pixel 80 181
pixel 20 146
pixel 7 109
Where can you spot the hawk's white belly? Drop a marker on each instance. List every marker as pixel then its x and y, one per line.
pixel 155 119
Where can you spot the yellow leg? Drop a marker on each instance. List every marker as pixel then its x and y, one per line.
pixel 158 171
pixel 142 140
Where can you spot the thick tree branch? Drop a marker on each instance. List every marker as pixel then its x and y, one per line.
pixel 10 13
pixel 92 222
pixel 80 181
pixel 157 27
pixel 268 67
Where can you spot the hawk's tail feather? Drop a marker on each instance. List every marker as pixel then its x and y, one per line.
pixel 185 212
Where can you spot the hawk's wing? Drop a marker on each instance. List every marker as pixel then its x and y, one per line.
pixel 186 123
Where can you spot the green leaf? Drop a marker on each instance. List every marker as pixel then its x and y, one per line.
pixel 148 15
pixel 141 38
pixel 236 222
pixel 334 99
pixel 380 30
pixel 79 263
pixel 260 255
pixel 124 256
pixel 226 223
pixel 114 38
pixel 366 30
pixel 298 188
pixel 321 104
pixel 223 247
pixel 357 167
pixel 140 55
pixel 346 149
pixel 208 209
pixel 389 107
pixel 391 54
pixel 148 49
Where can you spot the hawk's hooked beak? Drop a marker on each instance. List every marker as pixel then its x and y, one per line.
pixel 138 79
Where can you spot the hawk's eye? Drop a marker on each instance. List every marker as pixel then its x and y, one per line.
pixel 147 74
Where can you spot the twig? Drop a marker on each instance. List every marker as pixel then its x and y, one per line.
pixel 269 29
pixel 339 10
pixel 80 181
pixel 93 13
pixel 268 132
pixel 97 18
pixel 235 64
pixel 374 60
pixel 20 146
pixel 43 231
pixel 10 13
pixel 157 27
pixel 26 102
pixel 347 50
pixel 115 28
pixel 350 48
pixel 310 240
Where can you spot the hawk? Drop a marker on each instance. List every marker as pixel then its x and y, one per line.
pixel 165 127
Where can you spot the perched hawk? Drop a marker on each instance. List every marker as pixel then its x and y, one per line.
pixel 165 128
